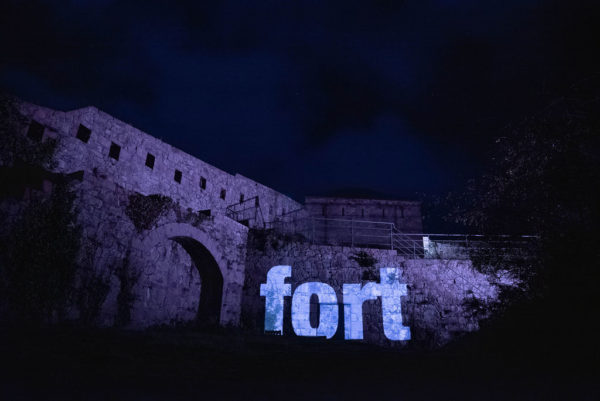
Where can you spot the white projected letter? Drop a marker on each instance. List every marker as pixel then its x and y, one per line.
pixel 274 291
pixel 328 310
pixel 354 297
pixel 391 291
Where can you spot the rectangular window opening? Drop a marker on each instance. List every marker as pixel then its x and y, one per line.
pixel 150 160
pixel 35 131
pixel 115 151
pixel 83 133
pixel 177 176
pixel 241 198
pixel 202 182
pixel 223 193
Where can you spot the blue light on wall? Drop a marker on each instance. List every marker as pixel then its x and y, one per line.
pixel 274 291
pixel 354 295
pixel 328 307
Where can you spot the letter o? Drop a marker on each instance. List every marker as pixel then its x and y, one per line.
pixel 328 308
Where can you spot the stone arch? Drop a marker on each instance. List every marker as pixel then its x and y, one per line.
pixel 207 258
pixel 211 295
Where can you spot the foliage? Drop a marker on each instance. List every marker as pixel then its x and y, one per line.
pixel 38 251
pixel 15 148
pixel 260 239
pixel 39 259
pixel 144 211
pixel 364 259
pixel 128 277
pixel 544 181
pixel 543 176
pixel 92 287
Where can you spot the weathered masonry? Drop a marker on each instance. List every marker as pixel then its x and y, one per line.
pixel 177 239
pixel 405 215
pixel 93 141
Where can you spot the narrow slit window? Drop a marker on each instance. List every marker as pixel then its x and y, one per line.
pixel 35 131
pixel 223 193
pixel 115 151
pixel 241 198
pixel 202 182
pixel 83 133
pixel 150 160
pixel 177 176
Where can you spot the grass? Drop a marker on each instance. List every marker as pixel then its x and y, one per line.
pixel 177 364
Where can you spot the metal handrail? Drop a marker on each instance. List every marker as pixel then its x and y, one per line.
pixel 237 211
pixel 351 232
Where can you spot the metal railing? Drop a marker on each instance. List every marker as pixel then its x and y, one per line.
pixel 292 215
pixel 385 235
pixel 337 231
pixel 460 246
pixel 247 212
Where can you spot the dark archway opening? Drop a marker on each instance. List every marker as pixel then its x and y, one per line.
pixel 211 291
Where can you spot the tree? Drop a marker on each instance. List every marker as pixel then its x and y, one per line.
pixel 17 149
pixel 544 181
pixel 38 247
pixel 39 260
pixel 543 177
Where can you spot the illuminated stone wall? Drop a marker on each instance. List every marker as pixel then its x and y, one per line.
pixel 181 262
pixel 446 298
pixel 200 187
pixel 406 215
pixel 141 277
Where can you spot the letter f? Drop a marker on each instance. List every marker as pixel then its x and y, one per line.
pixel 274 291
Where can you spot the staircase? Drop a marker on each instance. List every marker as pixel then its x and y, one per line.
pixel 247 212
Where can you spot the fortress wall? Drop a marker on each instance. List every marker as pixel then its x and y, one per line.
pixel 272 203
pixel 145 272
pixel 131 172
pixel 446 298
pixel 406 215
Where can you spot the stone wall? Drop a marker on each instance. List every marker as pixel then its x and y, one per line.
pixel 446 298
pixel 152 254
pixel 201 186
pixel 406 215
pixel 145 276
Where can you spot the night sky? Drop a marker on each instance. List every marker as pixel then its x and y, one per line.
pixel 393 98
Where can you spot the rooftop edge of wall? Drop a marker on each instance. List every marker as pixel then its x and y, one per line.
pixel 160 142
pixel 333 200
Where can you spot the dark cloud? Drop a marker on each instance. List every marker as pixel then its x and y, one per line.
pixel 307 96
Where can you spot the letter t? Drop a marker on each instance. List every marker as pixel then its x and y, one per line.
pixel 391 291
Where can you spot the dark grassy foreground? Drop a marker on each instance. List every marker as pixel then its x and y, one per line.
pixel 67 363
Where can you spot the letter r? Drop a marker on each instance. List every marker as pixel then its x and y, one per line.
pixel 354 297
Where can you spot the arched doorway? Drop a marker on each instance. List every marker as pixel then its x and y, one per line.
pixel 211 292
pixel 188 273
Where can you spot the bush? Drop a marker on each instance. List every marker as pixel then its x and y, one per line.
pixel 39 260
